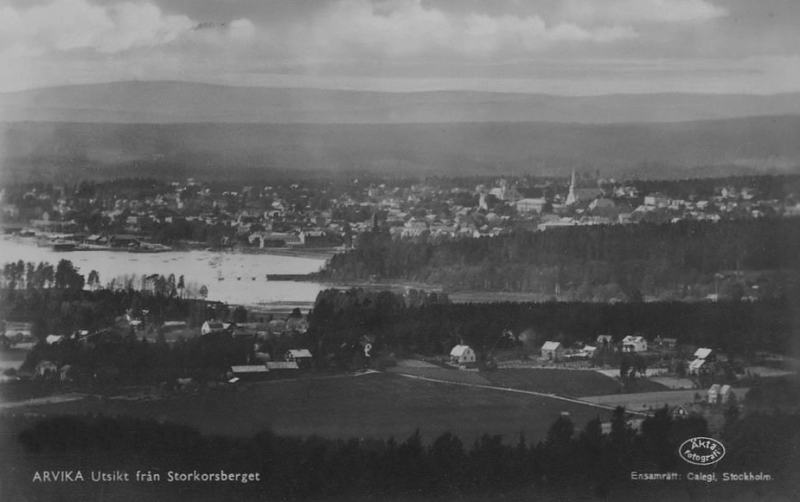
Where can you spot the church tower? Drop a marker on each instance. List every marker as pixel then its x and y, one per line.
pixel 572 198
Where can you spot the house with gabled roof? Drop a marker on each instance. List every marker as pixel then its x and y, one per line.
pixel 552 351
pixel 462 354
pixel 212 327
pixel 634 344
pixel 703 361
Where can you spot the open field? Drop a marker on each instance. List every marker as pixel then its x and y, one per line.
pixel 368 406
pixel 572 383
pixel 556 381
pixel 447 374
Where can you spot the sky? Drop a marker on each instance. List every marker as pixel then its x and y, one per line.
pixel 567 47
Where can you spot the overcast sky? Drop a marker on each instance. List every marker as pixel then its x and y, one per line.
pixel 551 46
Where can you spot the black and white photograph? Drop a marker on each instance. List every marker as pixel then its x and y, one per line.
pixel 399 250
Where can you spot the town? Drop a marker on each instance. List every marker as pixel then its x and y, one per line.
pixel 151 216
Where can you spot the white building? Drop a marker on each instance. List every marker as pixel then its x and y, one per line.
pixel 212 327
pixel 713 394
pixel 552 351
pixel 462 354
pixel 634 344
pixel 531 205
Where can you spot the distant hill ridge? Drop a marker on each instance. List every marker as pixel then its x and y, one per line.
pixel 185 102
pixel 743 145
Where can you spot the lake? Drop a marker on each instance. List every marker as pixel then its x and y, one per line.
pixel 235 278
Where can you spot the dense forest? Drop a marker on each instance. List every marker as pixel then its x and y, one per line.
pixel 584 463
pixel 684 260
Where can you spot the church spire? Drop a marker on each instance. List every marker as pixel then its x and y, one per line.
pixel 572 198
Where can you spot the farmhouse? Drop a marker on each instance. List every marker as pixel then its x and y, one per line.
pixel 462 354
pixel 212 327
pixel 703 361
pixel 634 344
pixel 552 351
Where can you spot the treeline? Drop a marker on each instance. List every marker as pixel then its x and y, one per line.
pixel 112 357
pixel 341 318
pixel 62 311
pixel 582 462
pixel 29 275
pixel 625 260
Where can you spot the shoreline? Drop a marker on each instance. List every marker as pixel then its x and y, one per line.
pixel 297 252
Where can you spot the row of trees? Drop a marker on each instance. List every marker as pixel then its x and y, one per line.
pixel 62 311
pixel 30 276
pixel 289 468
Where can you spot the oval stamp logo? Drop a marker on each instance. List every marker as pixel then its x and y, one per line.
pixel 701 451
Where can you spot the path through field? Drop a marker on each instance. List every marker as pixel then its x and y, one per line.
pixel 585 402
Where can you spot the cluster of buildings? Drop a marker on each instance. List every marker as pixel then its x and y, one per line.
pixel 553 351
pixel 330 214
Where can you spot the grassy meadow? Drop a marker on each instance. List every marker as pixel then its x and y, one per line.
pixel 367 406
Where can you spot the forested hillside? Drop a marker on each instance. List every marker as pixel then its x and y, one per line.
pixel 682 260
